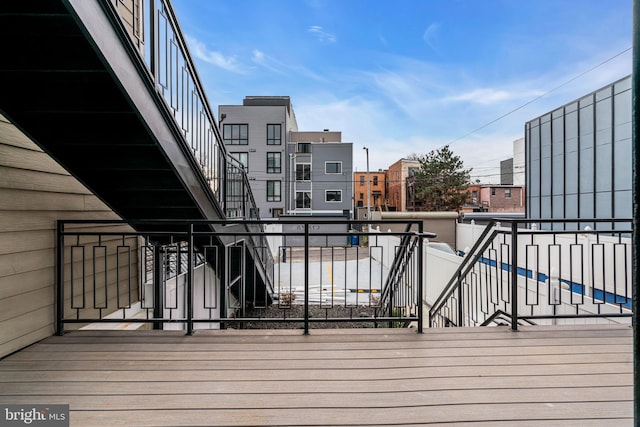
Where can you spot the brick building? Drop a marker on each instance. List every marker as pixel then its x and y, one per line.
pixel 377 185
pixel 502 198
pixel 397 183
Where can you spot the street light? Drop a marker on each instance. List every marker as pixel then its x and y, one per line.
pixel 368 188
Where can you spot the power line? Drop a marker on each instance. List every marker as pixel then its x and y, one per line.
pixel 540 96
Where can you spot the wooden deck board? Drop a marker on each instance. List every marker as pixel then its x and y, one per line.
pixel 579 375
pixel 58 388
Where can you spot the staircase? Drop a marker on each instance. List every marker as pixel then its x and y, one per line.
pixel 122 110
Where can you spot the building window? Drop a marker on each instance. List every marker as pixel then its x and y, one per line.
pixel 493 191
pixel 274 135
pixel 361 196
pixel 303 172
pixel 361 179
pixel 273 191
pixel 243 158
pixel 333 195
pixel 235 134
pixel 333 167
pixel 303 200
pixel 375 180
pixel 507 193
pixel 274 164
pixel 304 147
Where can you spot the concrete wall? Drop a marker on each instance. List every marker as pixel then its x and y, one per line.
pixel 35 191
pixel 441 223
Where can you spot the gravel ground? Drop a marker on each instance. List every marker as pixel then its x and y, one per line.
pixel 361 313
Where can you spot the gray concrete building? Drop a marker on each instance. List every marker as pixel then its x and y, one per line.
pixel 290 172
pixel 321 167
pixel 256 134
pixel 579 157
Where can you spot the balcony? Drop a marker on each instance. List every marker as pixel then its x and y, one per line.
pixel 222 371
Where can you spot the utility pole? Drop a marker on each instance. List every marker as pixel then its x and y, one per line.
pixel 368 188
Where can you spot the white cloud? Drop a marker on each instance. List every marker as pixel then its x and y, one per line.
pixel 483 96
pixel 267 62
pixel 272 64
pixel 322 35
pixel 201 51
pixel 430 35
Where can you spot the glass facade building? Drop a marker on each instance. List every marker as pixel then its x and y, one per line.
pixel 578 157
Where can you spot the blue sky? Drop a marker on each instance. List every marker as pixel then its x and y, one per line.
pixel 410 76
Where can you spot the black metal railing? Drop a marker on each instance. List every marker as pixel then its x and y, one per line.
pixel 170 66
pixel 399 291
pixel 541 271
pixel 191 277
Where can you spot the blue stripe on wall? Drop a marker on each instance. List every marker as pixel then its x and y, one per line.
pixel 578 288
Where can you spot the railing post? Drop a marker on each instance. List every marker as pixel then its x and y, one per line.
pixel 60 277
pixel 306 278
pixel 460 305
pixel 190 276
pixel 157 286
pixel 514 276
pixel 420 278
pixel 153 43
pixel 224 268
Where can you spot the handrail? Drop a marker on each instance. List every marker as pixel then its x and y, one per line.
pixel 205 136
pixel 501 314
pixel 397 263
pixel 409 242
pixel 172 70
pixel 467 263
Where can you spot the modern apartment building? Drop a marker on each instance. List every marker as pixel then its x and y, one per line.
pixel 579 157
pixel 290 172
pixel 319 174
pixel 397 183
pixel 256 134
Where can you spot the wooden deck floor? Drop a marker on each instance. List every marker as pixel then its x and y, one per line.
pixel 540 376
